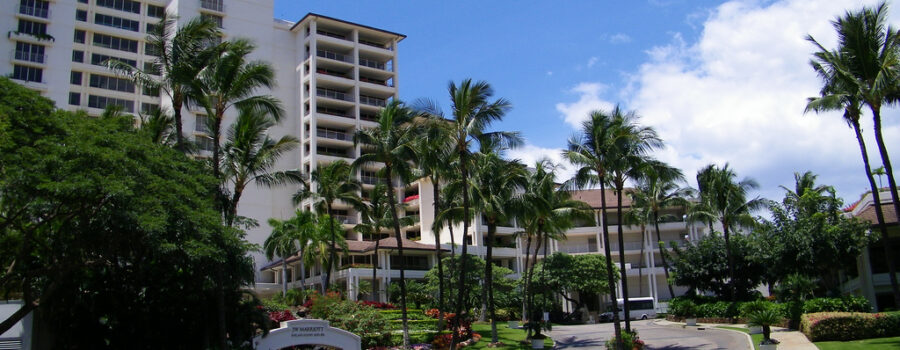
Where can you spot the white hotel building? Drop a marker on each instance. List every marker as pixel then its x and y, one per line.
pixel 333 76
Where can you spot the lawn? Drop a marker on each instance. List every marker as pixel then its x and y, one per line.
pixel 757 338
pixel 875 343
pixel 510 337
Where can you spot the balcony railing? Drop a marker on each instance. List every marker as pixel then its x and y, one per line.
pixel 579 248
pixel 334 56
pixel 344 219
pixel 29 56
pixel 372 101
pixel 333 154
pixel 628 246
pixel 331 73
pixel 369 117
pixel 215 5
pixel 34 11
pixel 371 180
pixel 374 44
pixel 337 95
pixel 333 135
pixel 376 81
pixel 331 34
pixel 371 64
pixel 334 113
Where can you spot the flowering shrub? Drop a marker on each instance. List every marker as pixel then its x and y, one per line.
pixel 630 339
pixel 281 316
pixel 378 304
pixel 850 303
pixel 433 313
pixel 844 326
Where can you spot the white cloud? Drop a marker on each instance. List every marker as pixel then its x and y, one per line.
pixel 737 95
pixel 619 38
pixel 588 100
pixel 549 73
pixel 592 61
pixel 529 154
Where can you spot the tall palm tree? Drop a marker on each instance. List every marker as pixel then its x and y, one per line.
pixel 158 125
pixel 591 153
pixel 329 183
pixel 495 181
pixel 629 155
pixel 181 53
pixel 804 184
pixel 322 244
pixel 655 191
pixel 392 143
pixel 376 216
pixel 721 193
pixel 287 238
pixel 840 92
pixel 473 113
pixel 250 155
pixel 231 80
pixel 641 216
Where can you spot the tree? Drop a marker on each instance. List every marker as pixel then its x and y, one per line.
pixel 330 183
pixel 230 80
pixel 473 113
pixel 249 156
pixel 392 144
pixel 705 266
pixel 658 189
pixel 569 274
pixel 474 283
pixel 726 198
pixel 495 181
pixel 376 215
pixel 862 71
pixel 108 236
pixel 287 238
pixel 180 55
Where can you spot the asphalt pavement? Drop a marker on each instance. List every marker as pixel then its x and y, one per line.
pixel 654 335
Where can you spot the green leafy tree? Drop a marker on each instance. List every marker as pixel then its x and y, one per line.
pixel 376 216
pixel 392 143
pixel 506 288
pixel 705 267
pixel 569 274
pixel 287 238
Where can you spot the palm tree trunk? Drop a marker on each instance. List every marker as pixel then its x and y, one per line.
pixel 879 214
pixel 332 254
pixel 392 200
pixel 233 205
pixel 177 103
pixel 730 256
pixel 437 252
pixel 461 285
pixel 489 279
pixel 283 276
pixel 375 264
pixel 216 134
pixel 530 296
pixel 663 256
pixel 610 274
pixel 302 272
pixel 641 266
pixel 452 240
pixel 524 271
pixel 627 308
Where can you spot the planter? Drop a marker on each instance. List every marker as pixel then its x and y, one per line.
pixel 513 324
pixel 690 321
pixel 537 343
pixel 768 346
pixel 756 330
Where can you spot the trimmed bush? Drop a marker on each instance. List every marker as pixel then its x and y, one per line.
pixel 849 303
pixel 415 325
pixel 843 326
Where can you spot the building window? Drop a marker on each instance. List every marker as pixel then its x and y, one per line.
pixel 155 11
pixel 98 60
pixel 215 5
pixel 151 68
pixel 28 73
pixel 116 22
pixel 148 108
pixel 75 78
pixel 115 43
pixel 215 19
pixel 152 28
pixel 33 28
pixel 83 1
pixel 81 15
pixel 150 49
pixel 201 124
pixel 204 143
pixel 111 83
pixel 36 8
pixel 102 102
pixel 121 5
pixel 78 56
pixel 29 52
pixel 79 36
pixel 148 91
pixel 75 99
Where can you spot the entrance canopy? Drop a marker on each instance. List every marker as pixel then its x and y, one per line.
pixel 307 332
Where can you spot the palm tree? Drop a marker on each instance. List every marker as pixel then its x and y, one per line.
pixel 804 184
pixel 158 124
pixel 591 152
pixel 230 80
pixel 656 190
pixel 181 53
pixel 288 237
pixel 840 91
pixel 323 243
pixel 473 113
pixel 722 194
pixel 392 143
pixel 376 215
pixel 328 184
pixel 641 216
pixel 495 181
pixel 249 156
pixel 629 155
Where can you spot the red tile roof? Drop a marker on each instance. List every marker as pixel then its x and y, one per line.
pixel 366 246
pixel 592 198
pixel 868 214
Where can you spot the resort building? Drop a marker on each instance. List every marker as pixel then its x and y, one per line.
pixel 871 278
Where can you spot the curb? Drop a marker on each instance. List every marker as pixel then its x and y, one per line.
pixel 702 327
pixel 749 339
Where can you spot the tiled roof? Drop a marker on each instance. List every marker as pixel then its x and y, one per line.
pixel 365 246
pixel 868 214
pixel 592 198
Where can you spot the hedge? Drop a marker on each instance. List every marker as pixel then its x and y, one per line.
pixel 849 303
pixel 396 339
pixel 843 326
pixel 423 325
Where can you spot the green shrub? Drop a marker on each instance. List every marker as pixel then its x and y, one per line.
pixel 415 325
pixel 845 326
pixel 271 305
pixel 351 316
pixel 850 303
pixel 750 307
pixel 682 307
pixel 716 309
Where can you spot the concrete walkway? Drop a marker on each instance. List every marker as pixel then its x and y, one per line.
pixel 787 339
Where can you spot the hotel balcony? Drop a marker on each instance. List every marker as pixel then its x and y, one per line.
pixel 333 137
pixel 334 56
pixel 213 5
pixel 28 56
pixel 33 12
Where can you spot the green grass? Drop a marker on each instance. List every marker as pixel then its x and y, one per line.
pixel 511 338
pixel 757 338
pixel 874 343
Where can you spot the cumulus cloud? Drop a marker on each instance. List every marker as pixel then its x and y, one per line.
pixel 619 38
pixel 529 154
pixel 588 100
pixel 591 62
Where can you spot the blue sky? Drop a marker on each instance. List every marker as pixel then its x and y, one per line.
pixel 721 81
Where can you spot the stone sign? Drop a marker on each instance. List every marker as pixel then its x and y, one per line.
pixel 307 332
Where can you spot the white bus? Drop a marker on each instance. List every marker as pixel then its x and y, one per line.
pixel 639 308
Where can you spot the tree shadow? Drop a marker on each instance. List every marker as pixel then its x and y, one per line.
pixel 571 342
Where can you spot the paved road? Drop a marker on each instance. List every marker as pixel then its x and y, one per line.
pixel 654 335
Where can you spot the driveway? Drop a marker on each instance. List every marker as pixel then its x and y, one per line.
pixel 654 335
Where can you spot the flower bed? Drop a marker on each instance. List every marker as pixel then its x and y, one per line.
pixel 844 326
